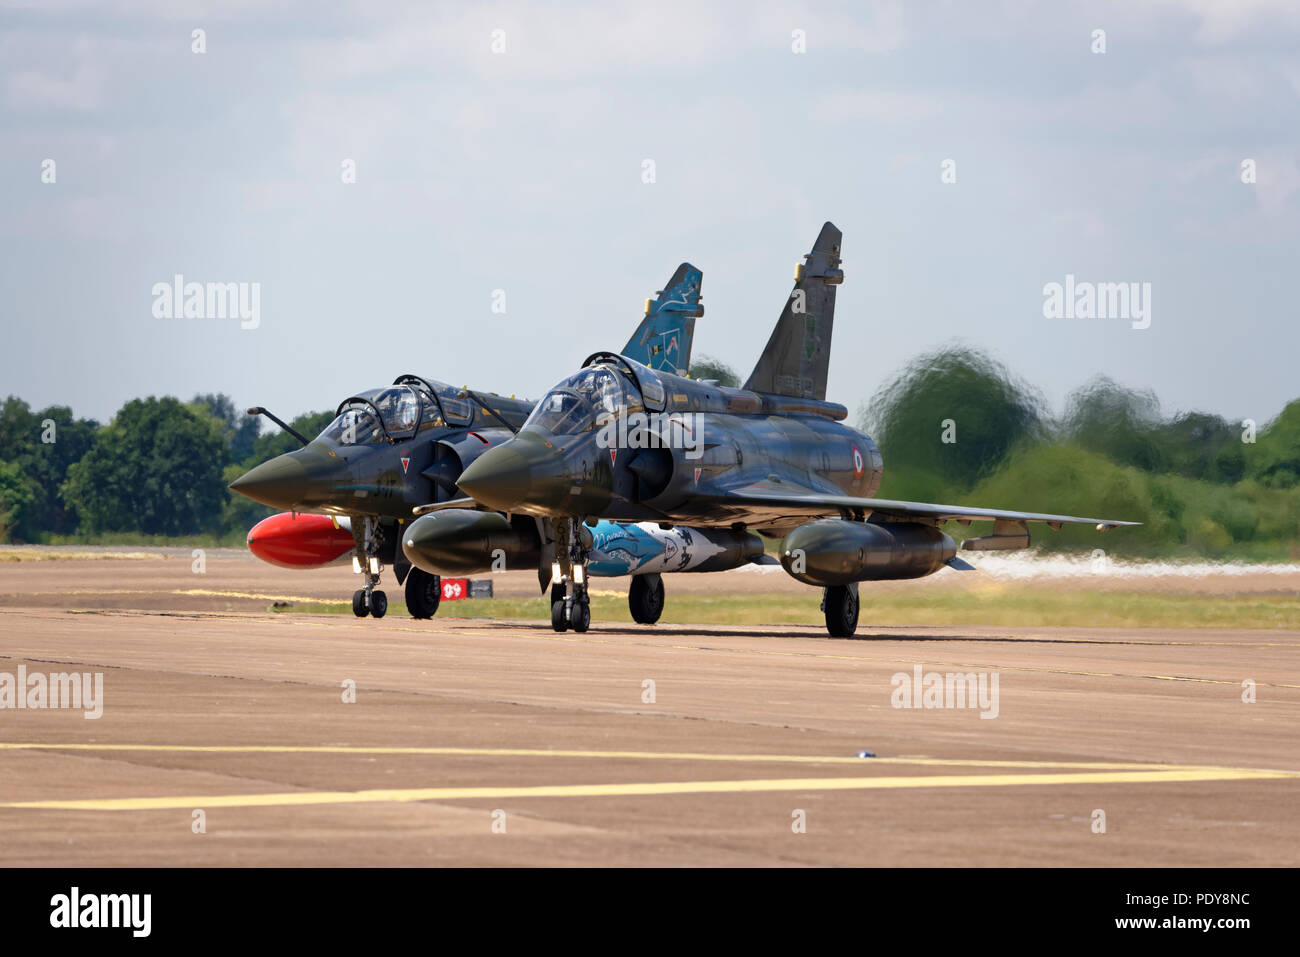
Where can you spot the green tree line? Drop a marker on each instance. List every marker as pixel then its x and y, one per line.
pixel 954 426
pixel 159 469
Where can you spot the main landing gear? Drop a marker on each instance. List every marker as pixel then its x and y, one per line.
pixel 375 542
pixel 570 604
pixel 645 597
pixel 423 592
pixel 840 603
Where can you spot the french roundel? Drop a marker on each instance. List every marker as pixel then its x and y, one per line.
pixel 857 462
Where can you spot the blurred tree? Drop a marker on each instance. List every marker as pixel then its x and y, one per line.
pixel 1121 424
pixel 1204 446
pixel 707 367
pixel 1275 458
pixel 951 417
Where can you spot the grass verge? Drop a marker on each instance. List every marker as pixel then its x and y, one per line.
pixel 1027 609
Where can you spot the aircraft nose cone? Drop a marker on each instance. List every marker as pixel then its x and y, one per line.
pixel 279 482
pixel 500 478
pixel 301 478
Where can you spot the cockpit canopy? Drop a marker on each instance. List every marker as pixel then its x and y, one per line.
pixel 585 401
pixel 393 412
pixel 398 406
pixel 357 424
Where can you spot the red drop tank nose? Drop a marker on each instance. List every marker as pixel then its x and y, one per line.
pixel 300 541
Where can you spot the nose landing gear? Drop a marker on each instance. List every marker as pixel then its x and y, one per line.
pixel 570 604
pixel 368 600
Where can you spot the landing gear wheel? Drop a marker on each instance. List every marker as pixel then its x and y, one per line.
pixel 570 606
pixel 423 592
pixel 841 607
pixel 581 616
pixel 369 539
pixel 645 597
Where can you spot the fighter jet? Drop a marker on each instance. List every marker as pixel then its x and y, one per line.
pixel 405 444
pixel 617 440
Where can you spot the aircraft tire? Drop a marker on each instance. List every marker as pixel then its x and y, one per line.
pixel 557 616
pixel 359 603
pixel 645 598
pixel 581 616
pixel 841 604
pixel 378 604
pixel 423 593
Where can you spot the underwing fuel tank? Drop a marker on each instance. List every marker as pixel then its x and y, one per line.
pixel 463 542
pixel 834 551
pixel 302 541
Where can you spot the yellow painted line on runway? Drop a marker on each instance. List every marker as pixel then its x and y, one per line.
pixel 24 555
pixel 917 761
pixel 257 595
pixel 641 789
pixel 201 592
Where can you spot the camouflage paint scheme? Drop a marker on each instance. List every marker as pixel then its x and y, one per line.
pixel 618 440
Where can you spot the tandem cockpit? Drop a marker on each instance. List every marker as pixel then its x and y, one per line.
pixel 608 386
pixel 397 413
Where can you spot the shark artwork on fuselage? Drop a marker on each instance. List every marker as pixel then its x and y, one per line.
pixel 619 441
pixel 643 548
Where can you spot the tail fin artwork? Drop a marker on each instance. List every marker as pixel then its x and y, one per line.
pixel 798 354
pixel 664 338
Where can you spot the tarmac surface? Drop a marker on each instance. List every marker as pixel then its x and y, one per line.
pixel 226 736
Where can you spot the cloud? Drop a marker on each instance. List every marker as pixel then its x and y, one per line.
pixel 1278 180
pixel 1222 21
pixel 583 40
pixel 33 90
pixel 877 107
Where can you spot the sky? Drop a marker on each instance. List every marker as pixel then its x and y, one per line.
pixel 502 148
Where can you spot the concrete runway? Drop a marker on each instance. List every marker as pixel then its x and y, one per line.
pixel 473 742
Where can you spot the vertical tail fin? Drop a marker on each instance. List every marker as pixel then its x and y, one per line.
pixel 798 354
pixel 665 336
